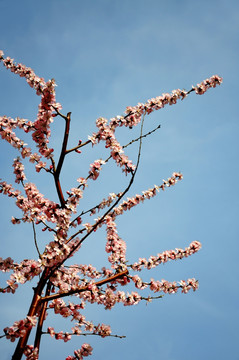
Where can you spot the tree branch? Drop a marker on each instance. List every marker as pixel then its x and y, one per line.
pixel 85 288
pixel 41 319
pixel 61 159
pixel 35 239
pixel 32 311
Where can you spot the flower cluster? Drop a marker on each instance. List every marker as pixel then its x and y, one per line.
pixel 19 328
pixel 19 171
pixel 148 194
pixel 32 79
pixel 172 287
pixel 7 125
pixel 41 127
pixel 213 81
pixel 64 310
pixel 46 108
pixel 36 207
pixel 84 351
pixel 166 286
pixel 6 264
pixel 58 251
pixel 73 199
pixel 134 113
pixel 31 353
pixel 95 168
pixel 165 256
pixel 25 271
pixel 115 245
pixel 107 134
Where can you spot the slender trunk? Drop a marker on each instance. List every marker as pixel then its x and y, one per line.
pixel 41 319
pixel 22 342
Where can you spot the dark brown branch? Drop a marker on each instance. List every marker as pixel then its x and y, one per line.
pixel 41 319
pixel 32 312
pixel 61 159
pixel 64 144
pixel 85 288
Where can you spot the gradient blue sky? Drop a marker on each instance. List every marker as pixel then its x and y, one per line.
pixel 104 56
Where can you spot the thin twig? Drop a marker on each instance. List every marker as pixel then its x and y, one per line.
pixel 61 159
pixel 86 334
pixel 35 239
pixel 140 137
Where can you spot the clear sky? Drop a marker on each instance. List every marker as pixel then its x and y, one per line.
pixel 104 56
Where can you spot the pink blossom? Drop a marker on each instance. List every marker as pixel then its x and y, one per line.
pixel 95 168
pixel 31 353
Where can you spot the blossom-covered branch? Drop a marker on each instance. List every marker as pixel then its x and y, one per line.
pixel 66 222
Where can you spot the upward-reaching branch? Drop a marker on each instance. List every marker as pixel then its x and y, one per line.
pixel 61 159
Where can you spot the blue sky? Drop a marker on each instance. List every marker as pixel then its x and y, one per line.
pixel 104 56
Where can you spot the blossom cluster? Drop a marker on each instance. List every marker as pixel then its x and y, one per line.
pixel 21 273
pixel 171 288
pixel 148 194
pixel 95 168
pixel 48 105
pixel 46 108
pixel 7 125
pixel 115 245
pixel 213 81
pixel 35 206
pixel 165 256
pixel 73 199
pixel 31 353
pixel 134 113
pixel 32 79
pixel 19 328
pixel 58 251
pixel 84 351
pixel 19 171
pixel 107 134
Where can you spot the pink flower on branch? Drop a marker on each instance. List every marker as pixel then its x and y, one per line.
pixel 84 351
pixel 213 81
pixel 148 194
pixel 31 353
pixel 32 79
pixel 134 113
pixel 19 328
pixel 95 168
pixel 117 153
pixel 165 256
